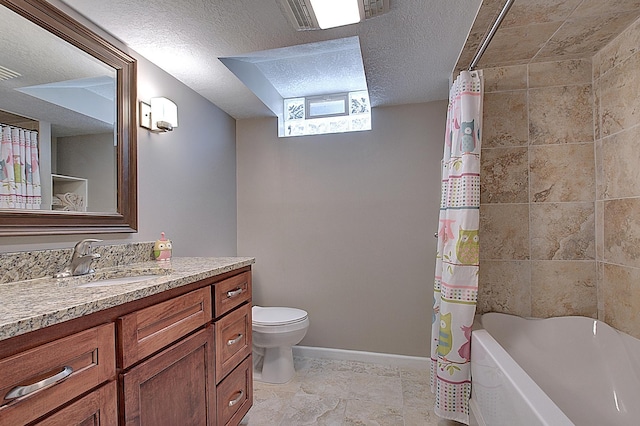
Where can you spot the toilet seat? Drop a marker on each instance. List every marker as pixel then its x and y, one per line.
pixel 277 316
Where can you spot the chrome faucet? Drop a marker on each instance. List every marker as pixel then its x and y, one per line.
pixel 80 259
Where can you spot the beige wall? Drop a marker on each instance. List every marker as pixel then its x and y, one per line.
pixel 342 226
pixel 91 157
pixel 616 72
pixel 561 187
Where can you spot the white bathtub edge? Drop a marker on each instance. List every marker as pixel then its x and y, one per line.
pixel 475 415
pixel 539 403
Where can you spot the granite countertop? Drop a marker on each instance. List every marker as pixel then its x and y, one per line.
pixel 37 303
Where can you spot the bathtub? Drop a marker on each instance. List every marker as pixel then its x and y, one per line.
pixel 555 372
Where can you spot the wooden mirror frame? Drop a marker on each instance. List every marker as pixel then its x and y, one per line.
pixel 46 222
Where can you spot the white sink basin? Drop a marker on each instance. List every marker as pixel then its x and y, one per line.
pixel 118 281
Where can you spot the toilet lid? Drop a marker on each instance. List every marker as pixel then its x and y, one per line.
pixel 277 315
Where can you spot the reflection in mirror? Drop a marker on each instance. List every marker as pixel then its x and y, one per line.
pixel 67 122
pixel 57 112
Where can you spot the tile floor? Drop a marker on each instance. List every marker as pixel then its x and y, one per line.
pixel 330 392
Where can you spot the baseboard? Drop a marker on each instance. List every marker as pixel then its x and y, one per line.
pixel 391 360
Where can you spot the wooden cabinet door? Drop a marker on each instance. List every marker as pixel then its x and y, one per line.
pixel 174 387
pixel 99 408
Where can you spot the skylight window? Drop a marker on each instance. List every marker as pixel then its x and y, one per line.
pixel 338 113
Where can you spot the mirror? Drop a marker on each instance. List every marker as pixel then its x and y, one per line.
pixel 76 92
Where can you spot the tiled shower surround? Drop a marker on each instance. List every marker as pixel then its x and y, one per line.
pixel 560 202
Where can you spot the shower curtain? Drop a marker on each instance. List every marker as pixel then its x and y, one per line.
pixel 456 276
pixel 19 169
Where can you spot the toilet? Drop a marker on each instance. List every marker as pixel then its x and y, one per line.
pixel 275 331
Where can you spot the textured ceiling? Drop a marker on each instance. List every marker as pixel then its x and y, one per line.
pixel 547 30
pixel 408 53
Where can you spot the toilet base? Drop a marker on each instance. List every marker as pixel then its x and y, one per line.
pixel 277 365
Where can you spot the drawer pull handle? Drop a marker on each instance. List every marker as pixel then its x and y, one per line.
pixel 238 399
pixel 234 341
pixel 234 293
pixel 19 391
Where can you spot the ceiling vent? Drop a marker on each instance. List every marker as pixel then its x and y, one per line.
pixel 300 12
pixel 6 73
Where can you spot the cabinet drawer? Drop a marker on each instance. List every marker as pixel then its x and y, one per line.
pixel 231 292
pixel 148 330
pixel 233 340
pixel 100 407
pixel 235 394
pixel 87 359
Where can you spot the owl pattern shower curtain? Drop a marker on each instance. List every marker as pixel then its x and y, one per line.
pixel 19 169
pixel 457 260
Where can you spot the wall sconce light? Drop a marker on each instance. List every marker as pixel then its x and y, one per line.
pixel 160 115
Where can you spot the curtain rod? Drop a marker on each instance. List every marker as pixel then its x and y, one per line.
pixel 490 34
pixel 11 126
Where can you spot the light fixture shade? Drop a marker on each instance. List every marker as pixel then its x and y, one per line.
pixel 335 13
pixel 164 114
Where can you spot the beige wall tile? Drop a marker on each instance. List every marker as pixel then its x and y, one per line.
pixel 621 48
pixel 505 119
pixel 468 52
pixel 599 7
pixel 561 288
pixel 621 165
pixel 504 231
pixel 504 286
pixel 621 293
pixel 560 115
pixel 563 231
pixel 536 11
pixel 487 14
pixel 504 175
pixel 619 100
pixel 586 35
pixel 505 78
pixel 562 173
pixel 560 73
pixel 518 43
pixel 622 231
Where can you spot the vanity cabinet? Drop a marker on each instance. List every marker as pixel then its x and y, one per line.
pixel 50 375
pixel 181 357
